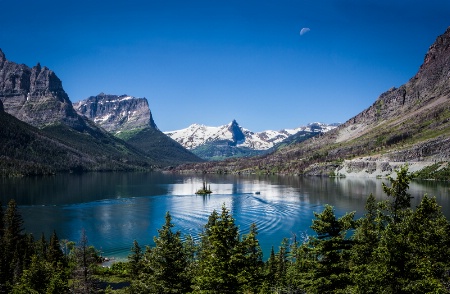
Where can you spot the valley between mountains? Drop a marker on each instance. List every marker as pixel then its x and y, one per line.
pixel 43 132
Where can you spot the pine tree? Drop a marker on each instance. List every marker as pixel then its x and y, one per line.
pixel 13 242
pixel 398 191
pixel 282 264
pixel 218 265
pixel 250 274
pixel 413 255
pixel 167 263
pixel 330 272
pixel 42 246
pixel 270 272
pixel 134 260
pixel 54 252
pixel 82 275
pixel 366 238
pixel 3 259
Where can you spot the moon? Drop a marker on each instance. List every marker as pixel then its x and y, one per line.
pixel 304 31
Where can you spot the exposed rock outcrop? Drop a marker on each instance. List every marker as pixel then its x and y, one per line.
pixel 35 95
pixel 117 113
pixel 406 124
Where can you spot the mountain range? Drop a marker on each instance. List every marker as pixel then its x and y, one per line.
pixel 408 124
pixel 42 133
pixel 232 140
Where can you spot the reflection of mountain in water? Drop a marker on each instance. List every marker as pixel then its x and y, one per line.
pixel 117 208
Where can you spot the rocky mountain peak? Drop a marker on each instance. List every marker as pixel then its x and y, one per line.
pixel 437 50
pixel 117 113
pixel 2 58
pixel 429 86
pixel 236 131
pixel 35 95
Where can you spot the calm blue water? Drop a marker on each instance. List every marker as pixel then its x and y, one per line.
pixel 117 208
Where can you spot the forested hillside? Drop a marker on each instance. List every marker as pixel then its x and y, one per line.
pixel 26 150
pixel 393 248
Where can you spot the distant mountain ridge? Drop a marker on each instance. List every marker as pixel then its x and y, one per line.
pixel 52 137
pixel 408 124
pixel 232 140
pixel 196 135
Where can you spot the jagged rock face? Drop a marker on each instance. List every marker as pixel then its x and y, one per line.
pixel 430 82
pixel 234 135
pixel 117 113
pixel 236 131
pixel 35 95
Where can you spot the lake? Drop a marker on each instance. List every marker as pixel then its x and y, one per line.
pixel 116 208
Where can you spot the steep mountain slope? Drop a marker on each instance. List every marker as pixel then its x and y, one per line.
pixel 232 140
pixel 35 95
pixel 406 124
pixel 130 119
pixel 116 114
pixel 26 150
pixel 157 145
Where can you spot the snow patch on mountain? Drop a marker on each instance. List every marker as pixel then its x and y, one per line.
pixel 197 134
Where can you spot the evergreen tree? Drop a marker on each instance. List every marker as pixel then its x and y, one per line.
pixel 167 263
pixel 134 260
pixel 54 251
pixel 270 272
pixel 3 259
pixel 218 265
pixel 2 222
pixel 330 252
pixel 413 253
pixel 282 264
pixel 41 247
pixel 35 278
pixel 399 192
pixel 366 238
pixel 250 274
pixel 13 244
pixel 82 274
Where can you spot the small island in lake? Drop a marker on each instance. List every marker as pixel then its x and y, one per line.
pixel 205 190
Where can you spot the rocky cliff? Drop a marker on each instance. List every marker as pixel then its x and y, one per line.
pixel 427 93
pixel 35 95
pixel 407 124
pixel 117 114
pixel 130 119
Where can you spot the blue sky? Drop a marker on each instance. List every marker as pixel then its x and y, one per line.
pixel 211 62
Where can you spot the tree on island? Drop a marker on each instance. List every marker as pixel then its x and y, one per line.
pixel 206 189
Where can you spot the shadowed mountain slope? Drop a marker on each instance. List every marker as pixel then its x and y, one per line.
pixel 406 124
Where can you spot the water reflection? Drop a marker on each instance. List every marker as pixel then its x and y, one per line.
pixel 117 208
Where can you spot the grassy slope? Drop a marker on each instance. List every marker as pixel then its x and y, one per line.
pixel 409 123
pixel 160 148
pixel 26 150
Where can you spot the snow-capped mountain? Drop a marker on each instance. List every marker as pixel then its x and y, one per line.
pixel 232 134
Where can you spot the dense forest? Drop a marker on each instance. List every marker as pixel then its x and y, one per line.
pixel 393 248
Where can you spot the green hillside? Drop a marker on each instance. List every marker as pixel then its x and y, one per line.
pixel 159 147
pixel 26 150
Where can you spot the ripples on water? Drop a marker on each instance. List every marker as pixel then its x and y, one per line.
pixel 117 208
